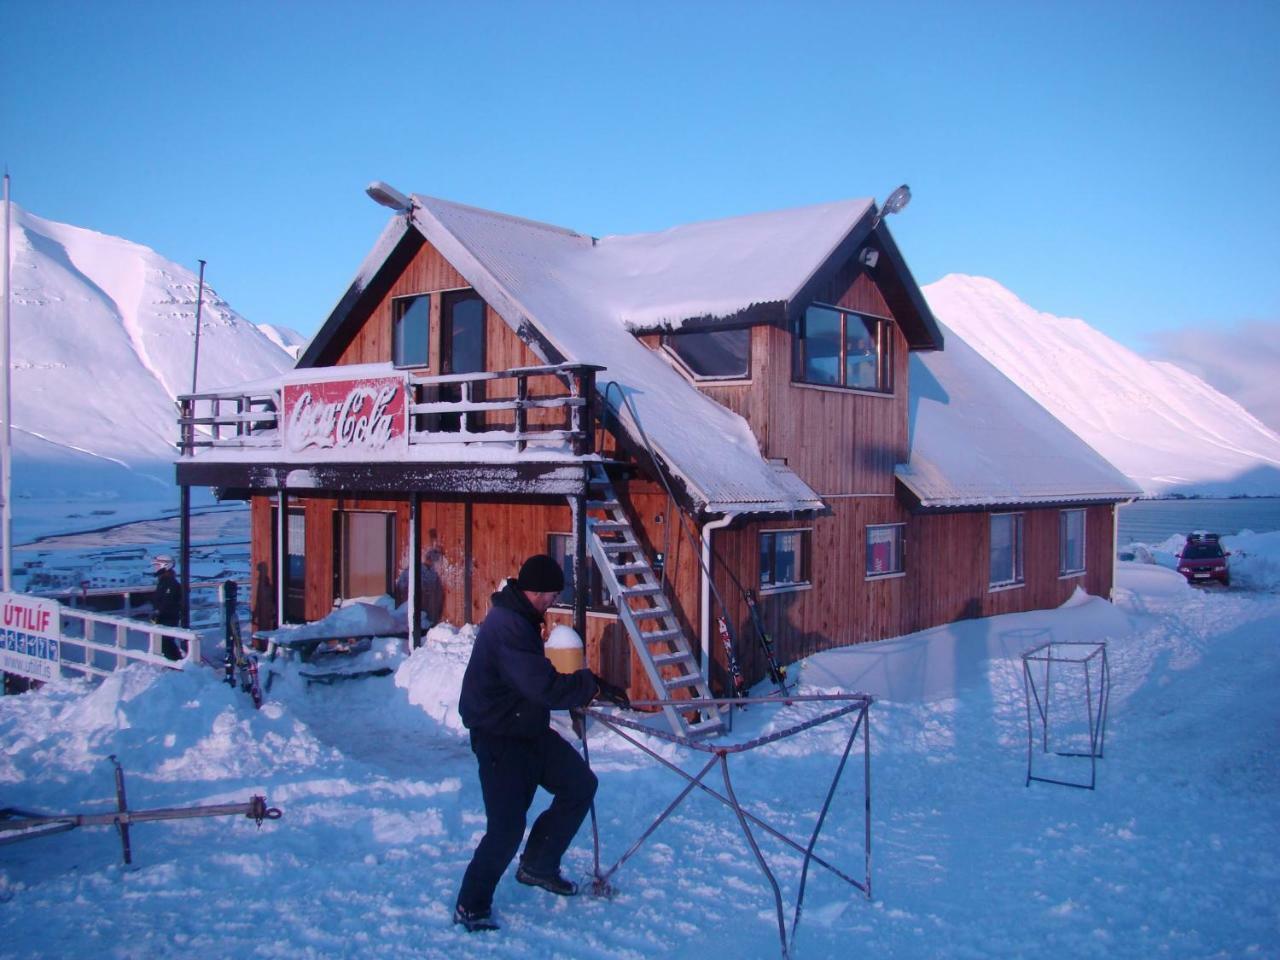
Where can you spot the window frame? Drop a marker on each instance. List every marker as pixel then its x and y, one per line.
pixel 1063 569
pixel 804 560
pixel 884 350
pixel 669 339
pixel 399 308
pixel 1019 571
pixel 598 599
pixel 295 587
pixel 342 545
pixel 900 550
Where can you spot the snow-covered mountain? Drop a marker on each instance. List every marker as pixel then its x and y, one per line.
pixel 102 334
pixel 286 338
pixel 1165 428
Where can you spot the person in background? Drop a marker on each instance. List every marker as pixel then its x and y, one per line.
pixel 508 691
pixel 430 588
pixel 167 602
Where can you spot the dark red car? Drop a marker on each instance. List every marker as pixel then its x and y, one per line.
pixel 1203 559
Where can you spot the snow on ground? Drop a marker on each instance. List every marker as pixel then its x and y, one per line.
pixel 1175 854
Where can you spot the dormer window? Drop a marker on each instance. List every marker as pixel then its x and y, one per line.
pixel 835 347
pixel 712 354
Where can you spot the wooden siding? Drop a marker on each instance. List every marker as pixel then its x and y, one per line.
pixel 946 577
pixel 945 581
pixel 427 272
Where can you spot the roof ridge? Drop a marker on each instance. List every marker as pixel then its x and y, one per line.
pixel 540 224
pixel 739 216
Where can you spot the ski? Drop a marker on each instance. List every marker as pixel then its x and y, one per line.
pixel 731 660
pixel 237 662
pixel 777 672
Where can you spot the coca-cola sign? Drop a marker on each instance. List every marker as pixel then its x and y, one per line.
pixel 366 415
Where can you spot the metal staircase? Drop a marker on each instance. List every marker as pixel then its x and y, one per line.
pixel 643 608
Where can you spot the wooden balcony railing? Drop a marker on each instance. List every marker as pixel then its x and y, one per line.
pixel 546 405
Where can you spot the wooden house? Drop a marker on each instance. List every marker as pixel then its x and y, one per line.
pixel 763 404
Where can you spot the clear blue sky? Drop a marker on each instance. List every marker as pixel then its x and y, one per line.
pixel 1114 161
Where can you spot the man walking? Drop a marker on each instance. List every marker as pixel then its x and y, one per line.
pixel 508 691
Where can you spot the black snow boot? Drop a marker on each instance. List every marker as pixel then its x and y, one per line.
pixel 474 920
pixel 553 883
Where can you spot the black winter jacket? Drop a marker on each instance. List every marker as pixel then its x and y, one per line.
pixel 510 686
pixel 167 599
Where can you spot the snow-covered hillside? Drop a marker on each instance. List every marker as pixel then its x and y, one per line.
pixel 102 342
pixel 1165 428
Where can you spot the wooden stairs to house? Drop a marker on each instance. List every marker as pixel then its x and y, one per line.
pixel 644 610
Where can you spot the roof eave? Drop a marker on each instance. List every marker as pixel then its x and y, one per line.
pixel 391 246
pixel 902 293
pixel 927 333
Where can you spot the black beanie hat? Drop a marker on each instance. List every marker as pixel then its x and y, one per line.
pixel 540 574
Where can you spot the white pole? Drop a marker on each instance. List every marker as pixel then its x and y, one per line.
pixel 195 362
pixel 6 452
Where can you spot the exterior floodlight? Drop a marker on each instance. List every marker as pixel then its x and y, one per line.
pixel 896 200
pixel 893 203
pixel 389 196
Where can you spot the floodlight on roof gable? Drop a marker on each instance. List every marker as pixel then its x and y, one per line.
pixel 389 196
pixel 894 203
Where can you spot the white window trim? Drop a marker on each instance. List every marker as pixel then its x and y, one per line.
pixel 563 607
pixel 1084 543
pixel 999 585
pixel 889 322
pixel 892 574
pixel 784 588
pixel 729 381
pixel 794 586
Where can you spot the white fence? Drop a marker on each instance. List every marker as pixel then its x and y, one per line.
pixel 42 640
pixel 98 643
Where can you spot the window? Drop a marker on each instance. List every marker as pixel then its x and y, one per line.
pixel 886 549
pixel 1071 542
pixel 784 559
pixel 461 332
pixel 365 547
pixel 410 324
pixel 1006 549
pixel 713 354
pixel 841 348
pixel 560 547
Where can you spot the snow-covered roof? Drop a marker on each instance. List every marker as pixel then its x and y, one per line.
pixel 581 295
pixel 978 440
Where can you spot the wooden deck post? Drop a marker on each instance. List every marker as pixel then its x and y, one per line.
pixel 282 548
pixel 578 507
pixel 184 551
pixel 414 601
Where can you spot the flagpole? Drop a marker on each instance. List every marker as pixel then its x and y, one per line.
pixel 195 362
pixel 6 449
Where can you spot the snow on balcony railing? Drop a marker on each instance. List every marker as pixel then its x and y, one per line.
pixel 396 408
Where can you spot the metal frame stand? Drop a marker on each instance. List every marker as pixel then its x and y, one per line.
pixel 1092 657
pixel 857 705
pixel 17 824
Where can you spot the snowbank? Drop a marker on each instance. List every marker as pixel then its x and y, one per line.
pixel 1171 856
pixel 432 676
pixel 1254 561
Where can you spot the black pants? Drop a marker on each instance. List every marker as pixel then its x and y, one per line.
pixel 169 646
pixel 511 770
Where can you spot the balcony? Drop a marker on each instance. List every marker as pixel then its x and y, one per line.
pixel 375 427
